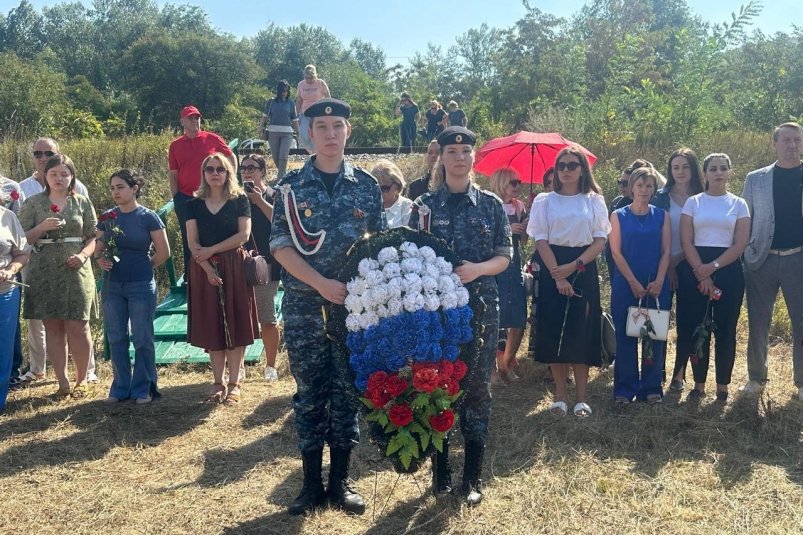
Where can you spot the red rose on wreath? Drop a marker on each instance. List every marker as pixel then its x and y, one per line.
pixel 446 369
pixel 400 415
pixel 426 380
pixel 442 421
pixel 460 370
pixel 452 387
pixel 376 381
pixel 395 386
pixel 379 398
pixel 418 366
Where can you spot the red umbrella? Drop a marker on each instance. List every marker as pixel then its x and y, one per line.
pixel 529 153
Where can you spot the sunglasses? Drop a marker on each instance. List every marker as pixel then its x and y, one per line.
pixel 40 153
pixel 571 166
pixel 623 183
pixel 515 183
pixel 385 189
pixel 250 168
pixel 211 169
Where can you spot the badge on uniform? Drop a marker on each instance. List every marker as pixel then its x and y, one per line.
pixel 359 214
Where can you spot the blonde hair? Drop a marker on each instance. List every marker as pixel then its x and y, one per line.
pixel 438 177
pixel 501 178
pixel 387 171
pixel 231 188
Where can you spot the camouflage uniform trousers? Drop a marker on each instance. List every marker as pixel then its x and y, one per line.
pixel 324 410
pixel 475 413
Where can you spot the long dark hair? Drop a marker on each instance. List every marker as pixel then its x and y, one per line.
pixel 696 176
pixel 280 88
pixel 587 182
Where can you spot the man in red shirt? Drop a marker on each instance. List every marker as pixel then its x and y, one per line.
pixel 185 156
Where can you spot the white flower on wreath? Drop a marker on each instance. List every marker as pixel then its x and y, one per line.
pixel 394 287
pixel 387 255
pixel 380 294
pixel 412 284
pixel 427 253
pixel 462 296
pixel 368 319
pixel 412 265
pixel 382 311
pixel 413 302
pixel 431 270
pixel 429 284
pixel 366 265
pixel 391 270
pixel 395 306
pixel 356 286
pixel 446 285
pixel 354 303
pixel 443 266
pixel 449 300
pixel 409 249
pixel 374 278
pixel 431 302
pixel 353 322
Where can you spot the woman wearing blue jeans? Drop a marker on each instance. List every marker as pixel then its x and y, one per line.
pixel 13 256
pixel 125 235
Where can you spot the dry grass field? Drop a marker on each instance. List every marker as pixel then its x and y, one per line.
pixel 181 466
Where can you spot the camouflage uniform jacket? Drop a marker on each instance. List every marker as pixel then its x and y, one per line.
pixel 475 227
pixel 354 208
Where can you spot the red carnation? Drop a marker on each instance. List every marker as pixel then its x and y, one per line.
pixel 112 214
pixel 424 366
pixel 395 386
pixel 446 369
pixel 452 387
pixel 55 208
pixel 379 398
pixel 425 380
pixel 460 370
pixel 15 195
pixel 376 381
pixel 102 217
pixel 400 415
pixel 443 421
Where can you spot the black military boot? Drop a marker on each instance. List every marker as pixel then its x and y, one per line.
pixel 341 495
pixel 312 494
pixel 441 471
pixel 472 471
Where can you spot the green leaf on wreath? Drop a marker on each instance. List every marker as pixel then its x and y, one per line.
pixel 420 401
pixel 367 402
pixel 442 404
pixel 394 445
pixel 383 418
pixel 413 449
pixel 406 459
pixel 424 440
pixel 437 442
pixel 415 427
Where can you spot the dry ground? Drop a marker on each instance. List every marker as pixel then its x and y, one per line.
pixel 180 466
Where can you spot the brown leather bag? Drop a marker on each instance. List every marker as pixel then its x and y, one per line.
pixel 257 269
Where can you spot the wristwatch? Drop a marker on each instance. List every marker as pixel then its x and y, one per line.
pixel 716 264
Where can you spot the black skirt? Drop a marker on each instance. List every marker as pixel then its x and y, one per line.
pixel 568 328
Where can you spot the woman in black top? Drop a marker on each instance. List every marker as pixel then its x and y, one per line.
pixel 222 311
pixel 410 114
pixel 260 195
pixel 436 120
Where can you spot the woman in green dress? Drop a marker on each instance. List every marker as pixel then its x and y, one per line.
pixel 61 225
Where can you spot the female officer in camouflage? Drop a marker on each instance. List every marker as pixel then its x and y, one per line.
pixel 321 210
pixel 474 224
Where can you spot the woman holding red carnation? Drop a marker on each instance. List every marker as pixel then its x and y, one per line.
pixel 474 224
pixel 714 231
pixel 61 225
pixel 222 309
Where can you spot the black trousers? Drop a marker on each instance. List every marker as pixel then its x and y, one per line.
pixel 180 201
pixel 691 310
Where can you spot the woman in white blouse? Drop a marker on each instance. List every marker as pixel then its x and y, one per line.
pixel 569 226
pixel 391 182
pixel 714 230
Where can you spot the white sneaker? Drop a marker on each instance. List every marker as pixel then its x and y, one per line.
pixel 91 377
pixel 752 387
pixel 143 401
pixel 271 374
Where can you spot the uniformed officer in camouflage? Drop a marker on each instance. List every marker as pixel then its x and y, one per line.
pixel 474 224
pixel 320 211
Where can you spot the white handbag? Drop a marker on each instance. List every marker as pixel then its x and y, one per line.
pixel 637 315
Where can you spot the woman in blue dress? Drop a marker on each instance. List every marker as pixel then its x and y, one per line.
pixel 640 242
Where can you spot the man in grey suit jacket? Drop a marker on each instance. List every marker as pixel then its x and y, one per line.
pixel 774 256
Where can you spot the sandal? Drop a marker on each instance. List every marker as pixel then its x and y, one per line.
pixel 29 378
pixel 233 397
pixel 218 394
pixel 559 408
pixel 582 410
pixel 63 392
pixel 80 391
